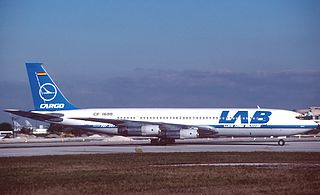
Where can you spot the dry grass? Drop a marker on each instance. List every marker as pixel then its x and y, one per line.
pixel 132 173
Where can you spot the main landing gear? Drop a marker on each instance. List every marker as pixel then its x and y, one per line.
pixel 162 141
pixel 281 142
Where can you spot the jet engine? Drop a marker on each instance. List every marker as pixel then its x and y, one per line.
pixel 189 133
pixel 182 134
pixel 144 130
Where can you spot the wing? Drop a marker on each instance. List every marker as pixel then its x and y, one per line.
pixel 166 129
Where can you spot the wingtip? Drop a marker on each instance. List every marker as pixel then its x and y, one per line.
pixel 10 110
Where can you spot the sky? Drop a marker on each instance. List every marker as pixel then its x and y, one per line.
pixel 147 53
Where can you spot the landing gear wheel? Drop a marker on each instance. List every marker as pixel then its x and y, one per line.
pixel 154 141
pixel 167 141
pixel 281 142
pixel 162 141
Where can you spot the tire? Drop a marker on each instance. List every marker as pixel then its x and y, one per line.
pixel 167 141
pixel 163 141
pixel 154 141
pixel 281 142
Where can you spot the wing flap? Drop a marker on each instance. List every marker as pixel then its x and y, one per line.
pixel 103 120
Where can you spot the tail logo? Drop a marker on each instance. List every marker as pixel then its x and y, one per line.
pixel 47 92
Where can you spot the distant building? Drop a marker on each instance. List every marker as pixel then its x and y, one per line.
pixel 312 113
pixel 315 111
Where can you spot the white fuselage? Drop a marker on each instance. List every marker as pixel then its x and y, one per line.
pixel 226 122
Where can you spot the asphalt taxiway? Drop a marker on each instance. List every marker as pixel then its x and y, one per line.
pixel 138 146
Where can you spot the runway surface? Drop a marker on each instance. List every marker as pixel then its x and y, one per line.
pixel 103 147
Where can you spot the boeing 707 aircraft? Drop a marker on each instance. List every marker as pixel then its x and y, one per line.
pixel 162 125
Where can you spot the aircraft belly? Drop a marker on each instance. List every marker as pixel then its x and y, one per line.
pixel 263 132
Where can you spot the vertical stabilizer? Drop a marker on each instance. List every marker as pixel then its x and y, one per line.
pixel 45 93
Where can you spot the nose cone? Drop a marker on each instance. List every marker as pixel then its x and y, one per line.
pixel 308 122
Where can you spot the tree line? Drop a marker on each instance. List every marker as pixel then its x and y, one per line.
pixel 6 127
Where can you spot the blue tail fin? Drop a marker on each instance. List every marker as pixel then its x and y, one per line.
pixel 46 94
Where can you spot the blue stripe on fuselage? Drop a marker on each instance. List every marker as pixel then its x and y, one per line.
pixel 267 126
pixel 223 126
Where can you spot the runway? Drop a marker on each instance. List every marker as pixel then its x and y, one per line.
pixel 139 146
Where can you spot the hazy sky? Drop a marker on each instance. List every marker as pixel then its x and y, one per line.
pixel 164 53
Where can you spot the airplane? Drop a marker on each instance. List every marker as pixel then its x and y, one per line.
pixel 28 124
pixel 16 126
pixel 161 125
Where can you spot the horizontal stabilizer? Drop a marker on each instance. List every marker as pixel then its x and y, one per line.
pixel 50 117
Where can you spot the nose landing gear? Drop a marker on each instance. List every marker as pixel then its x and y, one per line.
pixel 281 142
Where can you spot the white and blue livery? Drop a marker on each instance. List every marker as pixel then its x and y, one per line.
pixel 162 125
